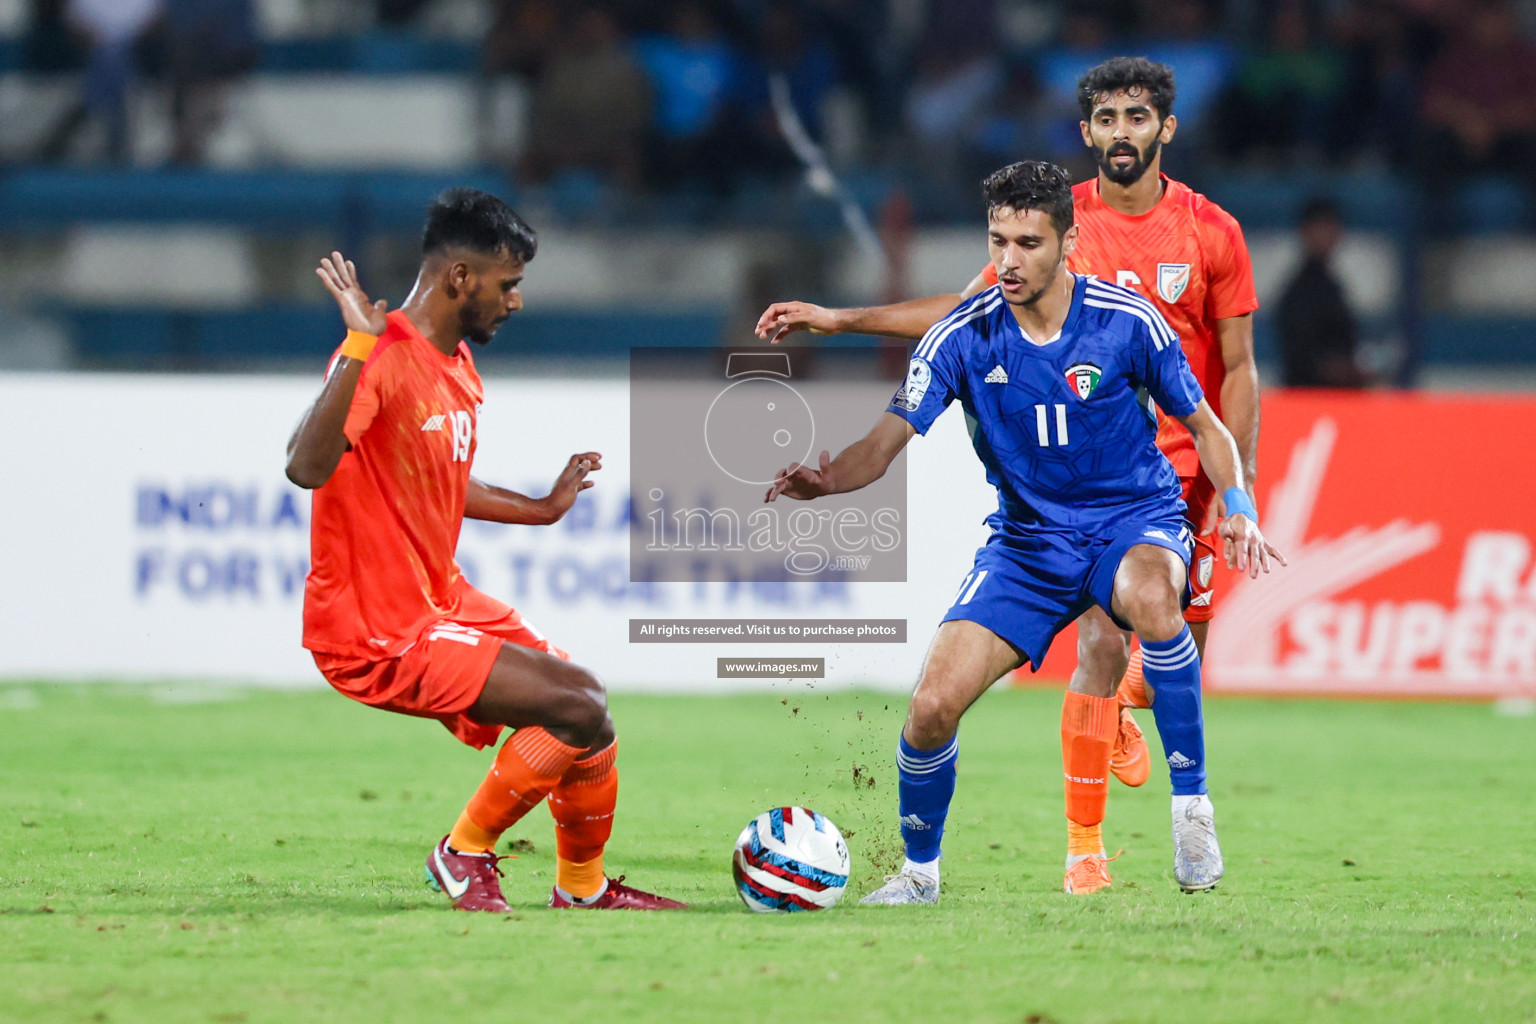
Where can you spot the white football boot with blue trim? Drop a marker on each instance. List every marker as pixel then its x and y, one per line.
pixel 1197 864
pixel 907 887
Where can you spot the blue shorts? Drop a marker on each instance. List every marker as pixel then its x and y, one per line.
pixel 1027 584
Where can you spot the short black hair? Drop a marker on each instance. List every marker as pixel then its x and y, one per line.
pixel 1127 73
pixel 467 218
pixel 1031 185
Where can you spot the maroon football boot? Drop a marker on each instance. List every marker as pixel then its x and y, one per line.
pixel 619 896
pixel 469 879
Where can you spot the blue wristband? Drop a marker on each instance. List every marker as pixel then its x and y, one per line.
pixel 1238 502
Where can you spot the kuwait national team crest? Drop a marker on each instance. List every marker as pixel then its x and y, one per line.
pixel 1083 378
pixel 1172 279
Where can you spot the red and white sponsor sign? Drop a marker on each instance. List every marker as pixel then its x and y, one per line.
pixel 1410 526
pixel 1408 522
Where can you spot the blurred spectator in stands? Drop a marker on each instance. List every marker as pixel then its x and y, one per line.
pixel 955 74
pixel 1287 99
pixel 1319 339
pixel 949 92
pixel 1084 41
pixel 1479 99
pixel 694 74
pixel 201 47
pixel 591 106
pixel 1023 119
pixel 858 31
pixel 1385 46
pixel 399 13
pixel 111 31
pixel 49 44
pixel 785 46
pixel 522 36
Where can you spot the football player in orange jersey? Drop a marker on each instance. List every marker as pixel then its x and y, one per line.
pixel 1187 256
pixel 388 616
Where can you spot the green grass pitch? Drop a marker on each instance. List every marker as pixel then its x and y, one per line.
pixel 258 858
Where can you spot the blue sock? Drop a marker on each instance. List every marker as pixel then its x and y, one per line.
pixel 1172 669
pixel 926 782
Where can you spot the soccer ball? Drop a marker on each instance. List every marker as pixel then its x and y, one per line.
pixel 788 859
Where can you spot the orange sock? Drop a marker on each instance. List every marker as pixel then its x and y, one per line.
pixel 467 837
pixel 527 767
pixel 1088 727
pixel 582 805
pixel 1133 688
pixel 1084 840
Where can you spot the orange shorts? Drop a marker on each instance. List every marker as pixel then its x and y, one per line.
pixel 442 673
pixel 1200 496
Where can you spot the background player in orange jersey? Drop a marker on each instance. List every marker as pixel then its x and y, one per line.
pixel 1142 230
pixel 391 621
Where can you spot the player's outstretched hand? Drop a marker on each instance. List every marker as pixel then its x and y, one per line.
pixel 802 482
pixel 572 481
pixel 1245 548
pixel 783 318
pixel 340 279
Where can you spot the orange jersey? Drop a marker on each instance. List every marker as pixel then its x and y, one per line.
pixel 386 524
pixel 1188 257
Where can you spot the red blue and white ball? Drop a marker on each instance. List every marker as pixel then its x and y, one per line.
pixel 790 859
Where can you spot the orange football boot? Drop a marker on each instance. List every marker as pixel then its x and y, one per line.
pixel 1130 761
pixel 1089 874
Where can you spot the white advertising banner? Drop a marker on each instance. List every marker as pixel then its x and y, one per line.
pixel 147 532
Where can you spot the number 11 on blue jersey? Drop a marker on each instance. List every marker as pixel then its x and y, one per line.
pixel 1041 421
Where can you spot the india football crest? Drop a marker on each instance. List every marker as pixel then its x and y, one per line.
pixel 1172 280
pixel 1084 378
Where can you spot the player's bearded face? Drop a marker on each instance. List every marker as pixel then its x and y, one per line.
pixel 1122 171
pixel 1125 133
pixel 480 316
pixel 490 296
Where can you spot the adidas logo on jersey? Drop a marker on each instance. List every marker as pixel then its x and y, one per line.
pixel 998 375
pixel 1178 760
pixel 434 422
pixel 914 822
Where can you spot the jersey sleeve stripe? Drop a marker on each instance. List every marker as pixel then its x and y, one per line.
pixel 1115 293
pixel 974 308
pixel 1105 290
pixel 961 314
pixel 1128 298
pixel 1160 339
pixel 941 325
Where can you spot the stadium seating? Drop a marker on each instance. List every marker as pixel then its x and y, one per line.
pixel 344 135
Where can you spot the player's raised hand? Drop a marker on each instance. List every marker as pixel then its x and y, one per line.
pixel 572 481
pixel 801 481
pixel 1245 548
pixel 783 318
pixel 340 279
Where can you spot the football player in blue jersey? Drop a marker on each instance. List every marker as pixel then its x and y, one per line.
pixel 1054 371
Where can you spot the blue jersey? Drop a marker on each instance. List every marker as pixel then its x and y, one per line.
pixel 1064 428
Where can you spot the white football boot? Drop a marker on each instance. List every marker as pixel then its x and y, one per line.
pixel 907 887
pixel 1197 862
